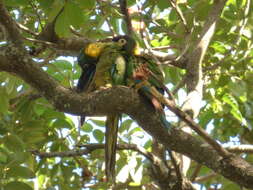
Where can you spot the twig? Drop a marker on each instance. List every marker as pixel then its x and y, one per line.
pixel 106 19
pixel 124 11
pixel 179 85
pixel 133 147
pixel 165 30
pixel 71 153
pixel 29 94
pixel 205 178
pixel 41 42
pixel 176 166
pixel 35 8
pixel 187 118
pixel 91 147
pixel 75 32
pixel 195 172
pixel 24 28
pixel 180 14
pixel 48 58
pixel 165 47
pixel 240 148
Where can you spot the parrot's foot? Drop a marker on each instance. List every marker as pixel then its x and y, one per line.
pixel 141 73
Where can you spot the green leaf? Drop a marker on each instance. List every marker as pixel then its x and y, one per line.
pixel 135 130
pixel 46 4
pixel 17 185
pixel 219 47
pixel 39 109
pixel 25 108
pixel 172 75
pixel 62 24
pixel 74 13
pixel 87 127
pixel 14 143
pixel 56 7
pixel 125 125
pixel 63 123
pixel 11 85
pixel 20 172
pixel 3 157
pixel 99 123
pixel 163 4
pixel 14 3
pixel 4 100
pixel 34 137
pixel 202 10
pixel 17 158
pixel 229 99
pixel 205 117
pixel 98 135
pixel 87 4
pixel 63 64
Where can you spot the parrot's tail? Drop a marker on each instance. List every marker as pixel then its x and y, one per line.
pixel 111 134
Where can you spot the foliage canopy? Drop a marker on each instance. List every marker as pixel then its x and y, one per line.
pixel 30 124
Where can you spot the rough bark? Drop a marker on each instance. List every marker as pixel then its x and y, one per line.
pixel 123 100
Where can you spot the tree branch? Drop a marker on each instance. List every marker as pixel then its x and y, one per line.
pixel 124 11
pixel 123 100
pixel 180 14
pixel 14 34
pixel 194 76
pixel 88 148
pixel 241 148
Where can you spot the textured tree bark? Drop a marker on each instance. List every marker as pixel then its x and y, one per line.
pixel 123 100
pixel 15 60
pixel 194 75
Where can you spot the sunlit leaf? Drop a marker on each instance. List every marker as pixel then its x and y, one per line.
pixel 20 172
pixel 62 24
pixel 4 101
pixel 17 185
pixel 87 127
pixel 14 143
pixel 98 135
pixel 87 4
pixel 74 13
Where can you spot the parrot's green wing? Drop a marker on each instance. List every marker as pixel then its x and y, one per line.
pixel 87 60
pixel 146 76
pixel 110 70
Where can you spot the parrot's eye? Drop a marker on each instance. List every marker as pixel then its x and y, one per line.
pixel 122 41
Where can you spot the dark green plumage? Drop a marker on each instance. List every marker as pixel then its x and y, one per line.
pixel 145 76
pixel 118 63
pixel 106 69
pixel 110 71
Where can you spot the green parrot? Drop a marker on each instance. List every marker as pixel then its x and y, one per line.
pixel 146 76
pixel 87 60
pixel 119 63
pixel 108 69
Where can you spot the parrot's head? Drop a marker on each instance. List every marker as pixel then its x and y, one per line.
pixel 129 45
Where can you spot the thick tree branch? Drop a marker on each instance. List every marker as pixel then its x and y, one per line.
pixel 123 100
pixel 14 59
pixel 14 34
pixel 194 76
pixel 124 11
